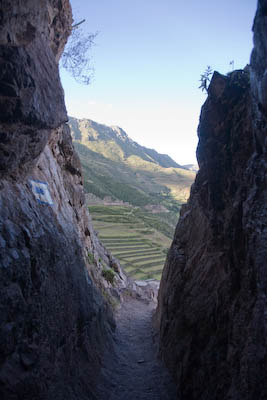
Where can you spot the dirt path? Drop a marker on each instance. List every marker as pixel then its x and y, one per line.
pixel 131 370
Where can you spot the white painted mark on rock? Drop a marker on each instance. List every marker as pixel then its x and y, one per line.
pixel 41 192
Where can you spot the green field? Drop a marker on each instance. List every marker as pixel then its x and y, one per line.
pixel 136 238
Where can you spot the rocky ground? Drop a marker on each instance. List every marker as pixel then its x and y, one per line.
pixel 131 369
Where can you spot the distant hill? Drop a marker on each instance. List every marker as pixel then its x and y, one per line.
pixel 191 167
pixel 116 167
pixel 114 143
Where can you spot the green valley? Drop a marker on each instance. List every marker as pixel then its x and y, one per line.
pixel 134 195
pixel 136 238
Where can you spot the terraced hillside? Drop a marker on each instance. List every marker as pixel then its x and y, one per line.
pixel 136 238
pixel 150 188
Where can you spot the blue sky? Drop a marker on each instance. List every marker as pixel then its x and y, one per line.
pixel 148 58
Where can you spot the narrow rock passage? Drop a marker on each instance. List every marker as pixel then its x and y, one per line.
pixel 131 370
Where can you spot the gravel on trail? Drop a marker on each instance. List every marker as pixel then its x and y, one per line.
pixel 131 369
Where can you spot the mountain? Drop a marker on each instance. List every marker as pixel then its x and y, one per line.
pixel 134 195
pixel 116 166
pixel 118 145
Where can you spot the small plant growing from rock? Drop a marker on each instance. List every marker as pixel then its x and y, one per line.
pixel 114 266
pixel 205 78
pixel 109 275
pixel 232 65
pixel 91 257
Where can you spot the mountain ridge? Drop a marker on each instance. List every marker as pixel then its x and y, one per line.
pixel 104 132
pixel 115 166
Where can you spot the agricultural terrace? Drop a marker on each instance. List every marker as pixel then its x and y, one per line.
pixel 134 238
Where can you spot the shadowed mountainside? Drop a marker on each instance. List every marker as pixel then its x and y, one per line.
pixel 54 321
pixel 212 301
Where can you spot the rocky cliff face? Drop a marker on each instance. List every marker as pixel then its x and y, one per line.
pixel 212 301
pixel 54 322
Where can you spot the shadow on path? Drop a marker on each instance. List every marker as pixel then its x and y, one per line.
pixel 131 370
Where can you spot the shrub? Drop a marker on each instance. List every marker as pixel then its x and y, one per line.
pixel 91 257
pixel 76 59
pixel 205 79
pixel 109 275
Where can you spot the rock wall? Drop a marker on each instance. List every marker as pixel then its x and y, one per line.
pixel 213 295
pixel 54 322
